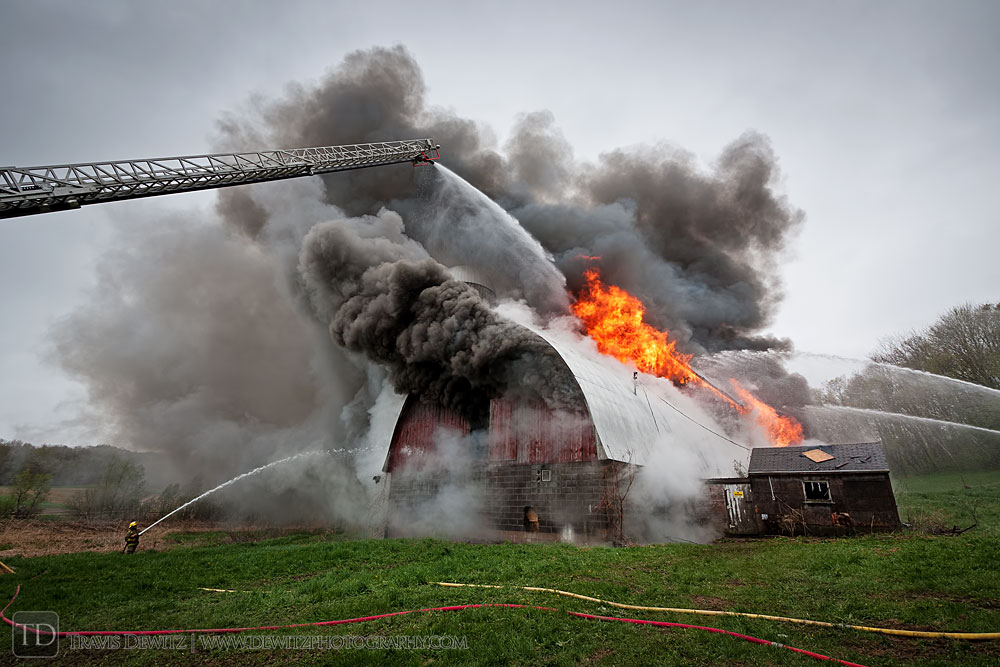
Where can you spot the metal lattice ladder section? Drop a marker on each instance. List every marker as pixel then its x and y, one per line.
pixel 31 190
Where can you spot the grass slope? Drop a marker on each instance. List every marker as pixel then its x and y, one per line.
pixel 913 581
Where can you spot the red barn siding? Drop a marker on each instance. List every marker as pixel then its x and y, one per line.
pixel 532 433
pixel 413 442
pixel 503 438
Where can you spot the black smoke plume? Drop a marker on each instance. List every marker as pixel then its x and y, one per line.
pixel 386 298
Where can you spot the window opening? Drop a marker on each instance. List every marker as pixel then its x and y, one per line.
pixel 817 491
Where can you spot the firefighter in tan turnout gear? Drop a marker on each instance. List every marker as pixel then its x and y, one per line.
pixel 131 539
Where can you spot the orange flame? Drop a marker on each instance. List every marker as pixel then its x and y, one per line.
pixel 615 320
pixel 783 431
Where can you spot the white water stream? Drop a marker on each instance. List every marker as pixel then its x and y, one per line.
pixel 233 480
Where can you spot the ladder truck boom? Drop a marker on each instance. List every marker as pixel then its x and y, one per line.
pixel 31 190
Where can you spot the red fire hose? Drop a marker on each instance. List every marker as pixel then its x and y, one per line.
pixel 362 619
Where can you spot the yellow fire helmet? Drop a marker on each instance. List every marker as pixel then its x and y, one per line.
pixel 132 525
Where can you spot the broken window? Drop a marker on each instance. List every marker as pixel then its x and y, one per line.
pixel 817 491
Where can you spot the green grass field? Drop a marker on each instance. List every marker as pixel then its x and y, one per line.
pixel 914 581
pixel 950 499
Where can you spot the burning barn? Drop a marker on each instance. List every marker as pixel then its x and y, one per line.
pixel 507 426
pixel 510 465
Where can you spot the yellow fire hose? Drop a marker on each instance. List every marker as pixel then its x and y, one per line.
pixel 742 614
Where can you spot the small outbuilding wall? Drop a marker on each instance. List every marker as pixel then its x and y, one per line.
pixel 726 507
pixel 822 490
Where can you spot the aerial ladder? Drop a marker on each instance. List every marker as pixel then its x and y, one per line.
pixel 31 190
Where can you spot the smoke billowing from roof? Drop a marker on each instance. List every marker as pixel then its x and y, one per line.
pixel 386 298
pixel 698 248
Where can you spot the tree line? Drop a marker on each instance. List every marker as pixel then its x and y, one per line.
pixel 114 483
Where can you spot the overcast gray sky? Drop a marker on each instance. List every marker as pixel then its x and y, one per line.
pixel 885 117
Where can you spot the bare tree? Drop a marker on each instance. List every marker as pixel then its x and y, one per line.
pixel 118 494
pixel 964 344
pixel 617 482
pixel 30 491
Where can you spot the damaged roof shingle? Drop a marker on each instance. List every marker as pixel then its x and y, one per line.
pixel 864 456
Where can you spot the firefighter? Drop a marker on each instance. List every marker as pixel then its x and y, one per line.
pixel 530 520
pixel 131 539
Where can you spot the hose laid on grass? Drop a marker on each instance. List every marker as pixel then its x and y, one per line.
pixel 755 640
pixel 637 621
pixel 713 612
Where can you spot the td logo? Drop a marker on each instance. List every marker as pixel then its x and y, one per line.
pixel 35 634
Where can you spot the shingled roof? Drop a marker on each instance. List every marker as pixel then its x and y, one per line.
pixel 859 457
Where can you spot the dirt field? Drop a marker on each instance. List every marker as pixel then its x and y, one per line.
pixel 42 537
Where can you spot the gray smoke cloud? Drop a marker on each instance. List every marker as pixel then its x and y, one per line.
pixel 698 247
pixel 192 344
pixel 274 332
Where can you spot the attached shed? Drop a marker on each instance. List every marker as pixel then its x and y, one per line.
pixel 823 490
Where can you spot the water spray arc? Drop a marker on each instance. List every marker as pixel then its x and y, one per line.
pixel 233 480
pixel 881 414
pixel 846 366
